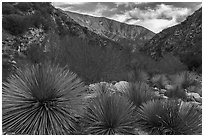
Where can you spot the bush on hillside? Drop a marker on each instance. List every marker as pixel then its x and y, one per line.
pixel 23 6
pixel 170 64
pixel 8 8
pixel 18 24
pixel 15 24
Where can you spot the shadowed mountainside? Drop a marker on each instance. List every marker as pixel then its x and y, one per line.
pixel 183 40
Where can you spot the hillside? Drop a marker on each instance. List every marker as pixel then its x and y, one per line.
pixel 183 40
pixel 128 35
pixel 49 33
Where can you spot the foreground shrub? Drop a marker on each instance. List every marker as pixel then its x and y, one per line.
pixel 41 99
pixel 169 117
pixel 109 115
pixel 138 93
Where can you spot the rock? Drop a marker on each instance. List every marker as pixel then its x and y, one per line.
pixel 168 87
pixel 121 85
pixel 195 96
pixel 163 91
pixel 140 132
pixel 199 99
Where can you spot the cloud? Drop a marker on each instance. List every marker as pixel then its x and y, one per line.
pixel 66 4
pixel 152 15
pixel 128 4
pixel 155 19
pixel 160 12
pixel 100 8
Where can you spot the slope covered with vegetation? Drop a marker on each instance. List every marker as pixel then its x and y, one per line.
pixel 183 40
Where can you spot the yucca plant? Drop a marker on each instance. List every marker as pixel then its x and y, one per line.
pixel 102 88
pixel 108 115
pixel 160 81
pixel 138 93
pixel 41 99
pixel 169 117
pixel 185 79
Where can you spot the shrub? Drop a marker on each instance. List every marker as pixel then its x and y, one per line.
pixel 35 54
pixel 160 81
pixel 102 88
pixel 138 93
pixel 92 62
pixel 169 117
pixel 8 8
pixel 8 65
pixel 185 79
pixel 138 75
pixel 176 92
pixel 41 99
pixel 143 62
pixel 170 64
pixel 15 24
pixel 109 115
pixel 193 61
pixel 23 6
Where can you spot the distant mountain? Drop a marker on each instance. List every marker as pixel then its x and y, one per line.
pixel 183 40
pixel 127 35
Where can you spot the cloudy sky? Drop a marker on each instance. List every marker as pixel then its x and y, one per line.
pixel 155 16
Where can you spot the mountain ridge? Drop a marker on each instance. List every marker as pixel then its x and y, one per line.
pixel 128 35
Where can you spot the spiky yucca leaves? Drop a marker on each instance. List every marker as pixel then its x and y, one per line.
pixel 160 81
pixel 108 115
pixel 169 117
pixel 185 79
pixel 41 99
pixel 102 88
pixel 138 93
